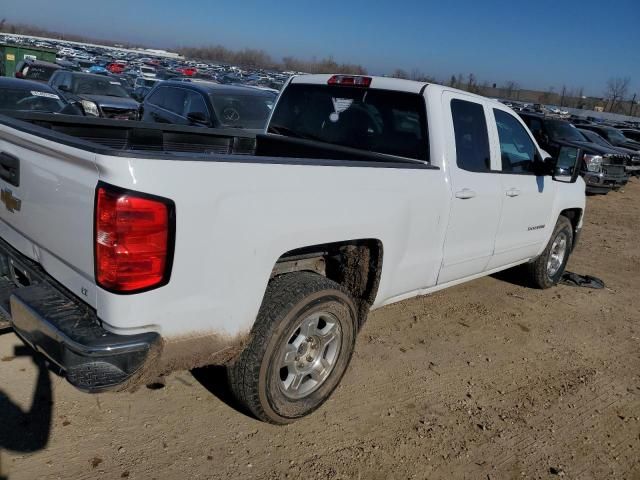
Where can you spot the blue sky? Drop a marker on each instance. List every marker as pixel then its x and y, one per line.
pixel 538 44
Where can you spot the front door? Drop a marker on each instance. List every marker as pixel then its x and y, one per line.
pixel 527 199
pixel 476 199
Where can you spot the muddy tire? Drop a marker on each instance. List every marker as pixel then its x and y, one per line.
pixel 300 347
pixel 547 269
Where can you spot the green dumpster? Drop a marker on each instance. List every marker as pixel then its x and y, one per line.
pixel 11 55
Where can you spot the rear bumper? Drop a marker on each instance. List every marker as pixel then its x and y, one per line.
pixel 64 329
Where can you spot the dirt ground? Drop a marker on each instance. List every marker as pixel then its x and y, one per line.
pixel 482 381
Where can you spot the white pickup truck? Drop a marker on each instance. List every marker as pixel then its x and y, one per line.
pixel 129 250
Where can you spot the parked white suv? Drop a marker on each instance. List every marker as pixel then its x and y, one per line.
pixel 124 260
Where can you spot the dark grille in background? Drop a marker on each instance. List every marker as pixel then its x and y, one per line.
pixel 615 160
pixel 119 113
pixel 613 170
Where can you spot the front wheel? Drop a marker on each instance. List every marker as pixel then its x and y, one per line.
pixel 547 269
pixel 300 347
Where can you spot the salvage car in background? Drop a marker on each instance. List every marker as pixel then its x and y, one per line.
pixel 633 165
pixel 142 86
pixel 208 104
pixel 631 133
pixel 31 96
pixel 603 169
pixel 36 70
pixel 98 95
pixel 613 136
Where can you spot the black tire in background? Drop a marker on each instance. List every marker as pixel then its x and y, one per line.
pixel 258 378
pixel 540 274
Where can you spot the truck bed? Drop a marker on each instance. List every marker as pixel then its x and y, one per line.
pixel 127 138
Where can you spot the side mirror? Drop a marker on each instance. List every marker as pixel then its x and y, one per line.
pixel 197 117
pixel 543 167
pixel 63 88
pixel 567 166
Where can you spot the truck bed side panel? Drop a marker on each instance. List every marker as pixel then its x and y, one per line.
pixel 234 220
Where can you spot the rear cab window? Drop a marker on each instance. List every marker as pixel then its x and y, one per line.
pixel 380 121
pixel 472 137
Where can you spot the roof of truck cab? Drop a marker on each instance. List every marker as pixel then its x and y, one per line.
pixel 382 83
pixel 388 83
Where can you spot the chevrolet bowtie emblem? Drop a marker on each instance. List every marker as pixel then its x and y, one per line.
pixel 12 203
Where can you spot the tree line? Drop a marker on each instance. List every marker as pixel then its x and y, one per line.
pixel 616 97
pixel 254 58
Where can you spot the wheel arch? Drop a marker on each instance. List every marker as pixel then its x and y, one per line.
pixel 354 264
pixel 574 215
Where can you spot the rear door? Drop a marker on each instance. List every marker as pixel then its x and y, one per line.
pixel 527 199
pixel 47 194
pixel 476 202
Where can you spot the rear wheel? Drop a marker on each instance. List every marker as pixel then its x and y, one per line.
pixel 548 268
pixel 300 347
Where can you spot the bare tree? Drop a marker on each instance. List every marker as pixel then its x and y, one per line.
pixel 400 73
pixel 471 83
pixel 580 102
pixel 417 75
pixel 510 87
pixel 452 81
pixel 616 90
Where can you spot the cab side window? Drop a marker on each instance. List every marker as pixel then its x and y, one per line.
pixel 156 97
pixel 195 103
pixel 516 147
pixel 174 100
pixel 56 80
pixel 472 138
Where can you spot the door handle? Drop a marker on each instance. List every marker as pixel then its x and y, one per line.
pixel 465 194
pixel 513 192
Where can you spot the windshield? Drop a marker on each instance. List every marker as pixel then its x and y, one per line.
pixel 379 121
pixel 242 111
pixel 560 130
pixel 30 100
pixel 616 135
pixel 98 86
pixel 595 138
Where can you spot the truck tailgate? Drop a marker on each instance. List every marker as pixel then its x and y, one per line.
pixel 47 195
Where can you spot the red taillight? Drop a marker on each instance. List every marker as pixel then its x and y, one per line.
pixel 19 75
pixel 350 81
pixel 133 236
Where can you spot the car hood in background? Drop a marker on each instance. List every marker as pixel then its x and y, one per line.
pixel 589 147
